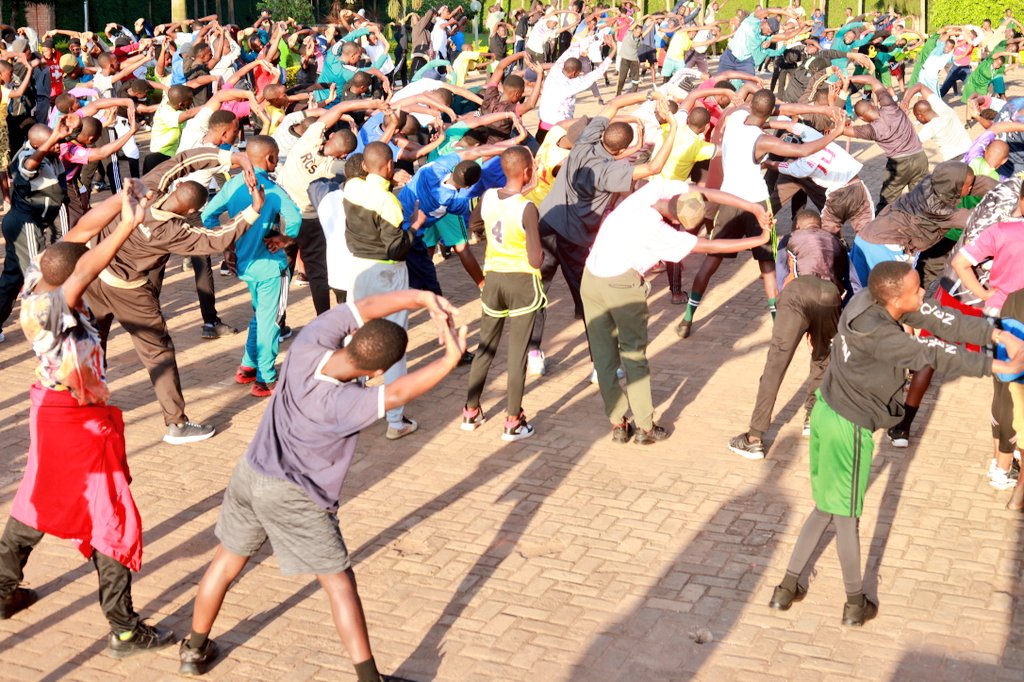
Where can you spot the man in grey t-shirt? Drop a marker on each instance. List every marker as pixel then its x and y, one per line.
pixel 597 169
pixel 286 487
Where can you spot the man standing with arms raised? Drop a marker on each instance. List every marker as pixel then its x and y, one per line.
pixel 744 147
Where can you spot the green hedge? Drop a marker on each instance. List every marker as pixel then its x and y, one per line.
pixel 947 12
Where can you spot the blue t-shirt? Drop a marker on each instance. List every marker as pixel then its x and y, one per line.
pixel 436 198
pixel 372 131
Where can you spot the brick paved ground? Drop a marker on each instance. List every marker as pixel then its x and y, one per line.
pixel 563 557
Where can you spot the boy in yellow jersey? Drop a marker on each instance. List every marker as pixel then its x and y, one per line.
pixel 552 154
pixel 688 149
pixel 512 289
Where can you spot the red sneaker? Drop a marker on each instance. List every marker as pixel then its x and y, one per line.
pixel 245 375
pixel 262 390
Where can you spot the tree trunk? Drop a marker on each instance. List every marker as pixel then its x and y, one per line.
pixel 179 12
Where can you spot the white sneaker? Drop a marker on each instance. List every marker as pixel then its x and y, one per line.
pixel 619 374
pixel 1000 480
pixel 992 468
pixel 535 364
pixel 3 337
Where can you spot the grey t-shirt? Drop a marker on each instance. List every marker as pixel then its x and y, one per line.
pixel 308 434
pixel 584 187
pixel 629 46
pixel 893 130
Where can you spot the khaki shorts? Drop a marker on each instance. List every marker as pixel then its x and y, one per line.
pixel 305 538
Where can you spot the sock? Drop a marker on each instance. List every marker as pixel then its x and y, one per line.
pixel 855 599
pixel 197 640
pixel 789 582
pixel 771 308
pixel 367 671
pixel 908 418
pixel 691 306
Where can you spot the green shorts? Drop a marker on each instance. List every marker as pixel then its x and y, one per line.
pixel 449 231
pixel 840 461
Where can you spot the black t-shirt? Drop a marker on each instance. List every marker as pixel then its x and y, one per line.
pixel 523 26
pixel 201 94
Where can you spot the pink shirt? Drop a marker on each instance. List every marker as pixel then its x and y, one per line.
pixel 1004 244
pixel 962 52
pixel 635 236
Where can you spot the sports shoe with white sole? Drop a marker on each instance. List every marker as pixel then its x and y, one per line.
pixel 899 438
pixel 189 432
pixel 535 364
pixel 1002 480
pixel 409 426
pixel 517 429
pixel 619 374
pixel 746 448
pixel 807 427
pixel 472 419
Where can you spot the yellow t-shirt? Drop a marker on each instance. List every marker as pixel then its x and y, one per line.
pixel 549 157
pixel 5 101
pixel 679 46
pixel 276 115
pixel 506 238
pixel 688 149
pixel 460 67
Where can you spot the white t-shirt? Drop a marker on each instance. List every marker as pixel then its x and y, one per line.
pixel 946 129
pixel 539 35
pixel 195 129
pixel 284 137
pixel 832 167
pixel 418 88
pixel 439 40
pixel 742 176
pixel 635 236
pixel 331 210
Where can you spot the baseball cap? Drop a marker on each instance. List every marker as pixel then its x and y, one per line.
pixel 68 63
pixel 773 24
pixel 48 43
pixel 688 209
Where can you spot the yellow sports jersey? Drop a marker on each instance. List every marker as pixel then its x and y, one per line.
pixel 461 65
pixel 549 157
pixel 688 149
pixel 679 46
pixel 506 238
pixel 276 116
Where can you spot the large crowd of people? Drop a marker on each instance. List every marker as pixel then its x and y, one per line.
pixel 343 156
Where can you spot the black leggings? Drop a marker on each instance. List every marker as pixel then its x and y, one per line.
pixel 847 545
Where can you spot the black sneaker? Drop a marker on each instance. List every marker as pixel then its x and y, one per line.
pixel 144 637
pixel 189 432
pixel 622 433
pixel 654 435
pixel 466 359
pixel 225 269
pixel 783 598
pixel 744 447
pixel 286 333
pixel 18 600
pixel 394 678
pixel 858 614
pixel 516 430
pixel 900 438
pixel 215 331
pixel 195 661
